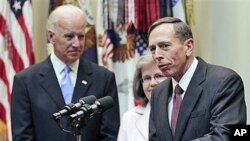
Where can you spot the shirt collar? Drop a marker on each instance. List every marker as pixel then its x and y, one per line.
pixel 186 78
pixel 59 65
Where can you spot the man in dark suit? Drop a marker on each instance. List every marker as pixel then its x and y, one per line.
pixel 37 93
pixel 209 97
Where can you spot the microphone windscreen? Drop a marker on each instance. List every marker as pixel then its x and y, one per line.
pixel 106 102
pixel 88 99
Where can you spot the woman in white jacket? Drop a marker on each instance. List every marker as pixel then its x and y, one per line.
pixel 134 124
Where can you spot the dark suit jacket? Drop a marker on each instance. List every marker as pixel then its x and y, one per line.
pixel 213 100
pixel 36 95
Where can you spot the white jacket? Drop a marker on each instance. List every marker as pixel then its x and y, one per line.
pixel 134 125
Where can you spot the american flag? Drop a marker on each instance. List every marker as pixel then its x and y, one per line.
pixel 107 51
pixel 15 53
pixel 110 40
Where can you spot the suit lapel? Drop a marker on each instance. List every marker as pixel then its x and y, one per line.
pixel 188 104
pixel 191 98
pixel 83 81
pixel 164 98
pixel 50 83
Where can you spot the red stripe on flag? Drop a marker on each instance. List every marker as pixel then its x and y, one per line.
pixel 2 113
pixel 3 76
pixel 27 40
pixel 13 54
pixel 16 50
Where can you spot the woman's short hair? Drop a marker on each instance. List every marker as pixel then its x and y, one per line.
pixel 137 83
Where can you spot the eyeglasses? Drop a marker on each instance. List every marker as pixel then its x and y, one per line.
pixel 158 78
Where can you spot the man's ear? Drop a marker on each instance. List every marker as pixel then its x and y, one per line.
pixel 189 44
pixel 51 36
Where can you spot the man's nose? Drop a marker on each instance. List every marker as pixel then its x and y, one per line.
pixel 76 41
pixel 158 53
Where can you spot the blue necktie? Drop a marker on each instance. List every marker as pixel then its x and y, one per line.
pixel 67 85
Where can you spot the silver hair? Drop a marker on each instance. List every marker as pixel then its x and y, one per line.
pixel 55 15
pixel 182 30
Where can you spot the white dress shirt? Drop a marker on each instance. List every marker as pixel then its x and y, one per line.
pixel 58 66
pixel 183 83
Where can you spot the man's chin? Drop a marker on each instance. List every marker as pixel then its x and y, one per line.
pixel 74 55
pixel 73 58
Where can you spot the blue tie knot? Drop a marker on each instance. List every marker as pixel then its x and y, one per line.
pixel 67 69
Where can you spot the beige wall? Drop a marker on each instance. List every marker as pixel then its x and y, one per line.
pixel 221 30
pixel 40 14
pixel 222 33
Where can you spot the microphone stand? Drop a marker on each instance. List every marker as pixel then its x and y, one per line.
pixel 78 122
pixel 77 125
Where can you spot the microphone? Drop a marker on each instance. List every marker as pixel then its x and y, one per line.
pixel 88 111
pixel 71 108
